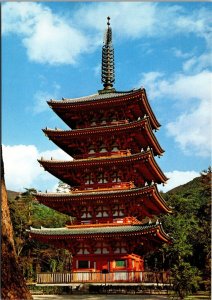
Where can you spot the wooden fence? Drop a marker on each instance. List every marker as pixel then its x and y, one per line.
pixel 98 277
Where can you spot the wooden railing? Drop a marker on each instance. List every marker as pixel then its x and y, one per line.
pixel 104 187
pixel 122 276
pixel 117 153
pixel 54 277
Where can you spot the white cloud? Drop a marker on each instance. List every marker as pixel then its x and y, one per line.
pixel 151 81
pixel 42 96
pixel 179 86
pixel 55 154
pixel 50 38
pixel 193 93
pixel 23 170
pixel 55 42
pixel 192 130
pixel 138 19
pixel 97 70
pixel 21 18
pixel 197 22
pixel 197 64
pixel 47 37
pixel 180 54
pixel 127 19
pixel 177 178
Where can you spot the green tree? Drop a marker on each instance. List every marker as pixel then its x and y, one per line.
pixel 185 279
pixel 26 211
pixel 189 226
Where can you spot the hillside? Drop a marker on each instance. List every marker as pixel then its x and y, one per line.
pixel 194 195
pixel 184 188
pixel 12 195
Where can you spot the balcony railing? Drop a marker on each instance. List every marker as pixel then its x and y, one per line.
pixel 104 187
pixel 98 277
pixel 96 155
pixel 117 153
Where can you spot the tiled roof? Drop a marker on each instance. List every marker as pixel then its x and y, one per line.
pixel 100 193
pixel 142 124
pixel 95 129
pixel 53 166
pixel 95 97
pixel 95 161
pixel 93 230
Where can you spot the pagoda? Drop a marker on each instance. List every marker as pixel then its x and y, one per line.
pixel 112 175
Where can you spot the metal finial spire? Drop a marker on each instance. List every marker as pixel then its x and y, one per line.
pixel 108 74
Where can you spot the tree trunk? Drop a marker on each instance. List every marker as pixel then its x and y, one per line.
pixel 13 285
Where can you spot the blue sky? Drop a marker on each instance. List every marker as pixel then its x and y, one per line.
pixel 53 50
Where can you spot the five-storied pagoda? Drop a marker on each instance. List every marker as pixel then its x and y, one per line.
pixel 112 177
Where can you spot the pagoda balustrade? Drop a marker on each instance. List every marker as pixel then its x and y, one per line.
pixel 99 123
pixel 94 155
pixel 103 187
pixel 105 154
pixel 99 277
pixel 108 123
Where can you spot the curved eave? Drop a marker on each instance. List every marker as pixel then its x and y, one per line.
pixel 61 138
pixel 149 109
pixel 103 231
pixel 54 200
pixel 110 99
pixel 153 138
pixel 161 201
pixel 158 169
pixel 65 167
pixel 162 235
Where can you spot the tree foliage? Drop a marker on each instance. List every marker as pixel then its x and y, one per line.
pixel 189 226
pixel 185 279
pixel 34 256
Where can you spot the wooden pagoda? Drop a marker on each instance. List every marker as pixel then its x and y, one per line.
pixel 113 177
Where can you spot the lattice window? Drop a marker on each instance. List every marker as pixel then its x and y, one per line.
pixel 116 177
pixel 93 119
pixel 89 179
pixel 103 148
pixel 102 248
pixel 102 211
pixel 86 213
pixel 83 249
pixel 120 248
pixel 102 178
pixel 91 149
pixel 118 211
pixel 115 147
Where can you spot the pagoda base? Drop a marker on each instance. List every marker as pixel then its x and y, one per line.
pixel 107 263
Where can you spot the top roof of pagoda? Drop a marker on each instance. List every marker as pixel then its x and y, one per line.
pixel 68 108
pixel 97 96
